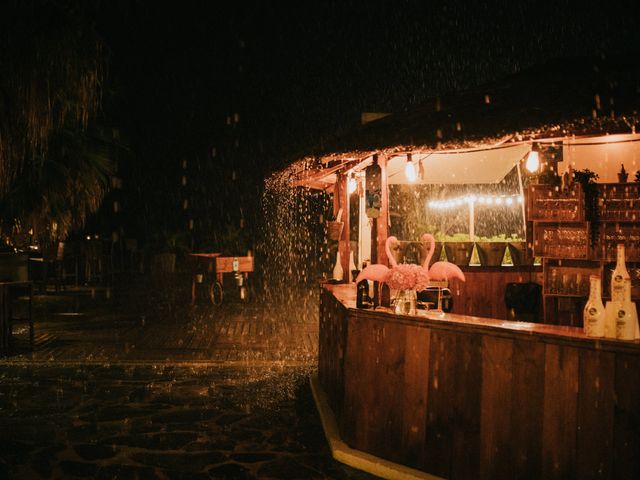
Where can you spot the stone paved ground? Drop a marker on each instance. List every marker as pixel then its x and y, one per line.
pixel 183 393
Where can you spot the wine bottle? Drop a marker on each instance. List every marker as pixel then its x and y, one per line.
pixel 362 294
pixel 593 314
pixel 618 277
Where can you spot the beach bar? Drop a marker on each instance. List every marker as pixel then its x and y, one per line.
pixel 530 187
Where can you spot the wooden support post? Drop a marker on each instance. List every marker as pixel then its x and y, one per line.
pixel 341 201
pixel 382 231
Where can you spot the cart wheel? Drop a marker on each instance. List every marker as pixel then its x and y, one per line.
pixel 215 293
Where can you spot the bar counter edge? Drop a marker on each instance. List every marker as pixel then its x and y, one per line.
pixel 469 397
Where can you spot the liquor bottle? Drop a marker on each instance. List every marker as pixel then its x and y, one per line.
pixel 593 314
pixel 338 272
pixel 610 313
pixel 618 277
pixel 363 300
pixel 626 316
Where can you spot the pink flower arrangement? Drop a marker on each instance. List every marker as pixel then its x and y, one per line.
pixel 407 276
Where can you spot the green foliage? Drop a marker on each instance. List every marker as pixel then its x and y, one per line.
pixel 456 237
pixel 55 193
pixel 52 62
pixel 514 237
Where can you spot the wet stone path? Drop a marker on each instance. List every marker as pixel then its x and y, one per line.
pixel 164 422
pixel 134 388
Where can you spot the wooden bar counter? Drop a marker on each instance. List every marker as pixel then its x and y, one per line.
pixel 465 397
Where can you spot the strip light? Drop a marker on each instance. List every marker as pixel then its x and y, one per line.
pixel 500 200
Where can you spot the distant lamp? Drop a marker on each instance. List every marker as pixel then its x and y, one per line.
pixel 533 162
pixel 352 184
pixel 410 170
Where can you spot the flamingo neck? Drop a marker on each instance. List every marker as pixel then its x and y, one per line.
pixel 387 249
pixel 432 248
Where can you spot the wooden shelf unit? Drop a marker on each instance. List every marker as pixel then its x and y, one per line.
pixel 549 203
pixel 571 252
pixel 562 240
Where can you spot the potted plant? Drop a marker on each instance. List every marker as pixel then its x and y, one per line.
pixel 519 253
pixel 491 250
pixel 458 248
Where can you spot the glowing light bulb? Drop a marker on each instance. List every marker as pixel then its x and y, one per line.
pixel 520 199
pixel 499 201
pixel 533 162
pixel 410 172
pixel 509 201
pixel 351 185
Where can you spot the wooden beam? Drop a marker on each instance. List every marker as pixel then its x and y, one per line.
pixel 383 220
pixel 341 201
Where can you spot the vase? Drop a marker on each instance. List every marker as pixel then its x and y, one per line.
pixel 338 272
pixel 405 302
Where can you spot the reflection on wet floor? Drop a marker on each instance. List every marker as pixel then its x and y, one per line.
pixel 142 385
pixel 161 422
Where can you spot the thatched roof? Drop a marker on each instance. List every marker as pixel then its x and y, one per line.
pixel 562 97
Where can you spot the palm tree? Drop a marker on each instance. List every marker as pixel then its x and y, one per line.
pixel 53 173
pixel 53 66
pixel 57 193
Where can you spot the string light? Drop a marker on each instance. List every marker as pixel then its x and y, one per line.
pixel 533 162
pixel 410 170
pixel 507 200
pixel 352 184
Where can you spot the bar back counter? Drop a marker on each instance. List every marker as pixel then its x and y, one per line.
pixel 468 397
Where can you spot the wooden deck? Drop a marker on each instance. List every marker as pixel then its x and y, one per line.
pixel 233 332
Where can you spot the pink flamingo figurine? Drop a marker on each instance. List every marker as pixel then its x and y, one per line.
pixel 378 272
pixel 400 277
pixel 440 270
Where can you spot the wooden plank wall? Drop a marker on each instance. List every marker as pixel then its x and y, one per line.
pixel 331 348
pixel 483 292
pixel 498 405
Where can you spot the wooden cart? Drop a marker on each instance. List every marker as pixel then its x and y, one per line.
pixel 210 268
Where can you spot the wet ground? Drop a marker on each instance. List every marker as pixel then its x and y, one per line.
pixel 143 385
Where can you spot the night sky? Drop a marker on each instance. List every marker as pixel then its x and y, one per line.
pixel 239 90
pixel 297 72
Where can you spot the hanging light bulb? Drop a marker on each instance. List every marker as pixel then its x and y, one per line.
pixel 533 161
pixel 410 170
pixel 352 184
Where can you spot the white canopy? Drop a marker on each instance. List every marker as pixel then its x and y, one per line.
pixel 484 165
pixel 603 155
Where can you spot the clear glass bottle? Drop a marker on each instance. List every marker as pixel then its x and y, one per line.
pixel 593 314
